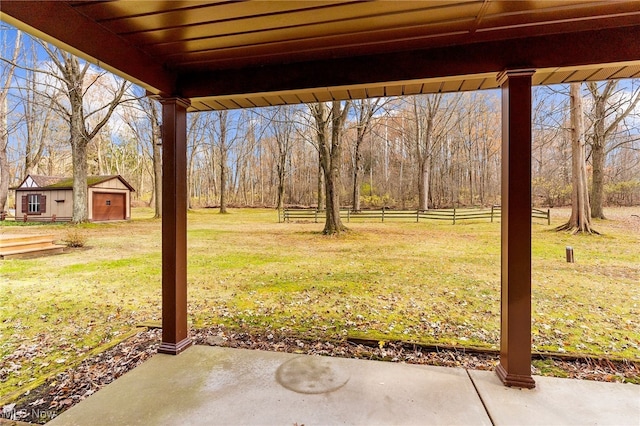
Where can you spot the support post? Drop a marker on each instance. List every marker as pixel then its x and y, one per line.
pixel 514 368
pixel 175 337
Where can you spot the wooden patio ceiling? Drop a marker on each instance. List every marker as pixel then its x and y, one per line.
pixel 233 54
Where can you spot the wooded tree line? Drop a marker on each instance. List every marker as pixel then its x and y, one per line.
pixel 429 151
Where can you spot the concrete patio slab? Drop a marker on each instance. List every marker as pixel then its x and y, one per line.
pixel 556 401
pixel 221 386
pixel 211 385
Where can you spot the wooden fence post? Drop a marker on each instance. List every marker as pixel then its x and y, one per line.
pixel 454 215
pixel 383 214
pixel 548 216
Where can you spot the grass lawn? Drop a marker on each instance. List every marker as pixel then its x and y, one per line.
pixel 431 282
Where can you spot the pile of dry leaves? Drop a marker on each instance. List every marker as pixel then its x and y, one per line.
pixel 74 385
pixel 66 389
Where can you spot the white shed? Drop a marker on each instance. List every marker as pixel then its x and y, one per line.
pixel 50 198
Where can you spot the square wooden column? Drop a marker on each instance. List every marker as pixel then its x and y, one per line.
pixel 174 226
pixel 514 368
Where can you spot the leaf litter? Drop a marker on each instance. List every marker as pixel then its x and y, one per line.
pixel 76 384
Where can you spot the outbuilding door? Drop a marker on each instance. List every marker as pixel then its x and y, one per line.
pixel 109 206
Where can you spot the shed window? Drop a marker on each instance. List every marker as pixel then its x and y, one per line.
pixel 34 203
pixel 108 202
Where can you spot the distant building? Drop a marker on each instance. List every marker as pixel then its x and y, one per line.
pixel 48 198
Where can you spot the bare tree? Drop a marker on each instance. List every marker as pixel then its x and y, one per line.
pixel 433 119
pixel 225 135
pixel 320 186
pixel 330 129
pixel 365 110
pixel 607 114
pixel 580 220
pixel 153 111
pixel 224 149
pixel 73 76
pixel 199 131
pixel 38 117
pixel 283 127
pixel 424 128
pixel 144 121
pixel 551 176
pixel 7 76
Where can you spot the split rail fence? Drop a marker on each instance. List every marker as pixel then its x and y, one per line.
pixel 451 215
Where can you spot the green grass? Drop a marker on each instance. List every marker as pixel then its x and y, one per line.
pixel 429 282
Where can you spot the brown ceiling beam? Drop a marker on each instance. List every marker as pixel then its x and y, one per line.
pixel 58 23
pixel 554 50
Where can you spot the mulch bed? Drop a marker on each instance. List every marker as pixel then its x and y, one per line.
pixel 74 385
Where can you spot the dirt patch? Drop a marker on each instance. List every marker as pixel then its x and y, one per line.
pixel 623 218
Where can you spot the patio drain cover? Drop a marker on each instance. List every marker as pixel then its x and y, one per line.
pixel 311 374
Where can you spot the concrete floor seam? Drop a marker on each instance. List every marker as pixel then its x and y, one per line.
pixel 480 397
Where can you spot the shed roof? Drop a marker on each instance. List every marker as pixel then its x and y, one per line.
pixel 44 181
pixel 59 182
pixel 228 54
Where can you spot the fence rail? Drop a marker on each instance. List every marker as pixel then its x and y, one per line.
pixel 452 215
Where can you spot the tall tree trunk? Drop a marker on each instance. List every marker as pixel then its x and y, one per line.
pixel 224 148
pixel 37 125
pixel 606 105
pixel 333 223
pixel 424 116
pixel 223 182
pixel 5 176
pixel 261 172
pixel 156 132
pixel 365 111
pixel 357 173
pixel 190 167
pixel 330 148
pixel 282 161
pixel 320 183
pixel 597 183
pixel 79 142
pixel 598 156
pixel 580 220
pixel 80 190
pixel 423 184
pixel 283 126
pixel 100 160
pixel 470 175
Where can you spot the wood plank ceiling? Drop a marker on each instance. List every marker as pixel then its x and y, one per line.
pixel 232 54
